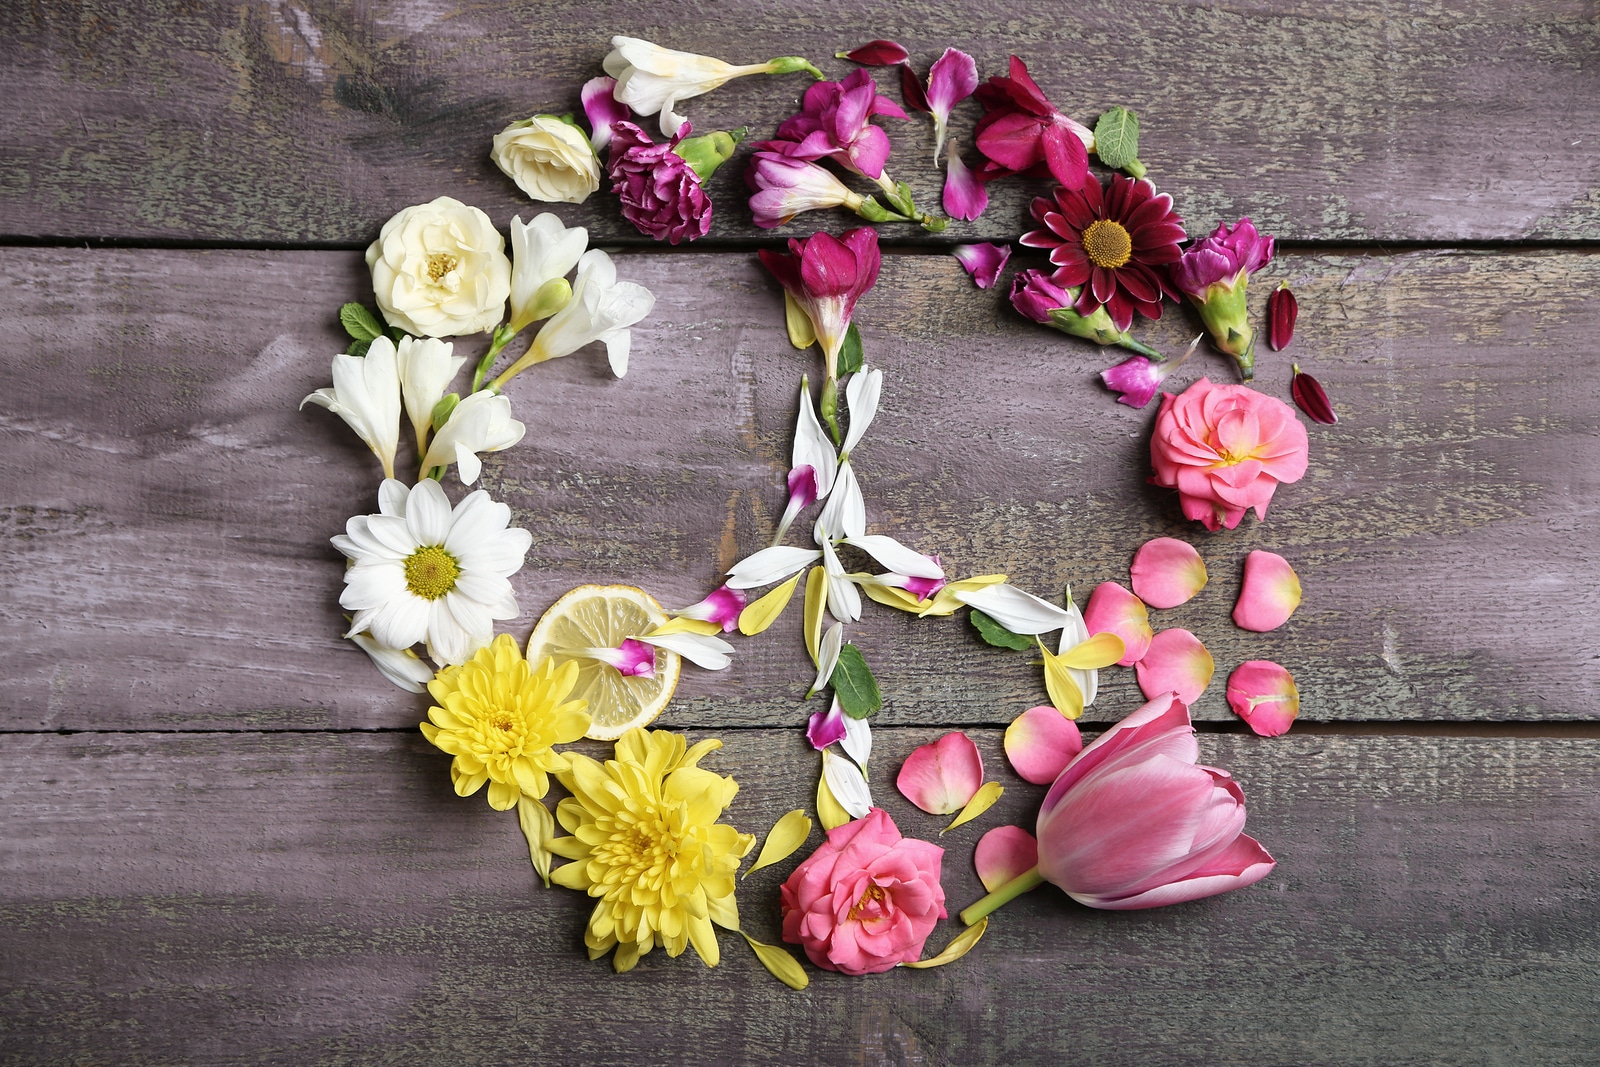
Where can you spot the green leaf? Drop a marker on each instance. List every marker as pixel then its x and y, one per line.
pixel 358 348
pixel 1116 138
pixel 359 322
pixel 850 355
pixel 997 635
pixel 854 684
pixel 396 334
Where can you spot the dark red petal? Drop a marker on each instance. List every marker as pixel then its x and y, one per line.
pixel 1039 239
pixel 1282 311
pixel 1151 211
pixel 1094 199
pixel 877 54
pixel 1156 235
pixel 1310 397
pixel 1065 155
pixel 1120 308
pixel 1140 283
pixel 1104 284
pixel 1040 208
pixel 911 90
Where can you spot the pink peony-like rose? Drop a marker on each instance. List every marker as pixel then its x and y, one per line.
pixel 1225 448
pixel 867 899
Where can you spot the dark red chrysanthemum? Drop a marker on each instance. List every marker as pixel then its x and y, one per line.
pixel 1114 242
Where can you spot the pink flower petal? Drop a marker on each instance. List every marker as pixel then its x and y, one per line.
pixel 983 261
pixel 1040 743
pixel 1270 593
pixel 965 197
pixel 826 727
pixel 1112 609
pixel 603 109
pixel 941 777
pixel 1135 380
pixel 1176 663
pixel 1167 572
pixel 1005 852
pixel 876 54
pixel 1263 694
pixel 951 79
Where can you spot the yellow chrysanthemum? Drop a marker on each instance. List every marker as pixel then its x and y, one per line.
pixel 646 841
pixel 499 718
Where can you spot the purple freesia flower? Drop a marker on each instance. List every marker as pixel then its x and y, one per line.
pixel 826 275
pixel 836 120
pixel 785 187
pixel 1220 258
pixel 660 192
pixel 603 109
pixel 983 261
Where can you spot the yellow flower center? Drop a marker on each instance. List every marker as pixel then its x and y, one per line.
pixel 431 572
pixel 1107 243
pixel 874 895
pixel 440 264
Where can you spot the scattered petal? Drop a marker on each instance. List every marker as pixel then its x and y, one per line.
pixel 829 811
pixel 857 740
pixel 722 606
pixel 959 946
pixel 876 54
pixel 942 776
pixel 812 448
pixel 1176 663
pixel 816 597
pixel 861 396
pixel 897 557
pixel 400 665
pixel 784 967
pixel 756 617
pixel 966 197
pixel 1061 685
pixel 631 659
pixel 911 90
pixel 1101 650
pixel 703 650
pixel 846 513
pixel 951 79
pixel 1005 852
pixel 786 835
pixel 1134 380
pixel 826 727
pixel 1040 743
pixel 1075 633
pixel 1264 695
pixel 1112 609
pixel 1282 311
pixel 1015 609
pixel 1311 398
pixel 844 602
pixel 770 565
pixel 945 601
pixel 1167 572
pixel 539 827
pixel 891 596
pixel 687 626
pixel 983 261
pixel 847 784
pixel 981 802
pixel 828 657
pixel 603 109
pixel 1270 594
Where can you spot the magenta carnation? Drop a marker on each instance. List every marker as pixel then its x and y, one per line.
pixel 660 192
pixel 1220 257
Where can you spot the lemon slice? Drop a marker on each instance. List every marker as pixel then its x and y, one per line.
pixel 601 616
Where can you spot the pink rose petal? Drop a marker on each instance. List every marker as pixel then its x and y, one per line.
pixel 1263 694
pixel 941 777
pixel 1270 593
pixel 1005 852
pixel 1112 609
pixel 1040 743
pixel 965 197
pixel 1176 663
pixel 983 261
pixel 1167 572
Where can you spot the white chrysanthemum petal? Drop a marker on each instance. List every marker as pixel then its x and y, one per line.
pixel 844 601
pixel 857 740
pixel 897 557
pixel 1075 633
pixel 400 666
pixel 828 655
pixel 770 565
pixel 862 394
pixel 368 585
pixel 428 513
pixel 847 784
pixel 1017 610
pixel 703 650
pixel 391 531
pixel 811 445
pixel 846 512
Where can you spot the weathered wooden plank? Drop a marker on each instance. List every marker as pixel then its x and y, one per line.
pixel 326 898
pixel 167 507
pixel 308 121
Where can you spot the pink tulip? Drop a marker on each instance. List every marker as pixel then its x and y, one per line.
pixel 1135 822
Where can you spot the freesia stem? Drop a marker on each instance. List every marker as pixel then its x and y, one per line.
pixel 502 337
pixel 1029 879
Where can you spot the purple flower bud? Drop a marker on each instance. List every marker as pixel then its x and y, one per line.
pixel 1034 295
pixel 1218 259
pixel 660 192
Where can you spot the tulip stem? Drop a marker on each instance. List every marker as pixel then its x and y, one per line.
pixel 1029 879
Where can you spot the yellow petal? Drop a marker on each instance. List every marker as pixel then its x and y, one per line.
pixel 829 810
pixel 959 946
pixel 687 626
pixel 981 802
pixel 704 940
pixel 944 601
pixel 894 597
pixel 786 835
pixel 1101 650
pixel 760 614
pixel 816 596
pixel 784 967
pixel 1064 692
pixel 539 828
pixel 802 334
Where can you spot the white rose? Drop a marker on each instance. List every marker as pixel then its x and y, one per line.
pixel 548 159
pixel 440 269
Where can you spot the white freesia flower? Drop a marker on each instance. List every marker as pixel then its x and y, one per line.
pixel 480 423
pixel 651 78
pixel 543 252
pixel 862 393
pixel 548 159
pixel 1075 633
pixel 847 784
pixel 857 740
pixel 440 269
pixel 426 368
pixel 811 445
pixel 601 309
pixel 703 650
pixel 1016 609
pixel 431 573
pixel 366 395
pixel 770 565
pixel 401 666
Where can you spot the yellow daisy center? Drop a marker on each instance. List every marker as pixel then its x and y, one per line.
pixel 1107 243
pixel 440 264
pixel 431 572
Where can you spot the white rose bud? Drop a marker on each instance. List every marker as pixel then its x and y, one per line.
pixel 440 270
pixel 548 159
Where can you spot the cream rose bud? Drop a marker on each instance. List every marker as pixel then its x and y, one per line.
pixel 548 159
pixel 440 270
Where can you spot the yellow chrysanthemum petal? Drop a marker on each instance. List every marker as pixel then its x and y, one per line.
pixel 704 940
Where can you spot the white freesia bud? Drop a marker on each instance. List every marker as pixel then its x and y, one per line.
pixel 426 368
pixel 366 395
pixel 401 666
pixel 542 251
pixel 440 270
pixel 651 78
pixel 548 159
pixel 480 423
pixel 601 309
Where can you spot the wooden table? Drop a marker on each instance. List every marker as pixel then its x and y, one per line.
pixel 225 840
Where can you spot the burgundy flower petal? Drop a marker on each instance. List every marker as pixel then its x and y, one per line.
pixel 1282 311
pixel 911 89
pixel 876 54
pixel 1310 397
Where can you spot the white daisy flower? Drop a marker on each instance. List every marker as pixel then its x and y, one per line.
pixel 421 571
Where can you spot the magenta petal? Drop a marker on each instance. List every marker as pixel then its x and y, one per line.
pixel 1264 695
pixel 1112 609
pixel 1065 155
pixel 603 109
pixel 803 486
pixel 951 79
pixel 1135 380
pixel 1167 572
pixel 1270 593
pixel 983 261
pixel 1176 662
pixel 1040 743
pixel 1003 853
pixel 636 659
pixel 877 54
pixel 826 727
pixel 911 89
pixel 965 197
pixel 941 777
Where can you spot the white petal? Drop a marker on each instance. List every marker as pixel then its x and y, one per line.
pixel 897 557
pixel 401 622
pixel 1074 633
pixel 468 466
pixel 370 585
pixel 392 532
pixel 844 601
pixel 392 497
pixel 846 513
pixel 448 642
pixel 866 385
pixel 428 513
pixel 828 655
pixel 400 666
pixel 618 344
pixel 703 650
pixel 1018 611
pixel 770 565
pixel 857 740
pixel 847 785
pixel 811 444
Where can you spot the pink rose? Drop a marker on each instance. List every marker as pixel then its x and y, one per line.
pixel 1225 448
pixel 866 900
